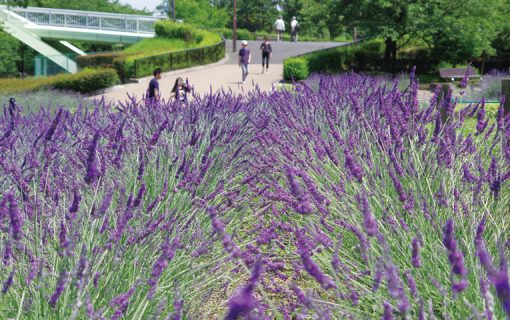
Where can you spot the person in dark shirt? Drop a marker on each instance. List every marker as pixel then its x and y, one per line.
pixel 153 93
pixel 267 53
pixel 244 59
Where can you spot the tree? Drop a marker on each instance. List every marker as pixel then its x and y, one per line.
pixel 317 18
pixel 201 13
pixel 455 30
pixel 8 55
pixel 465 30
pixel 256 15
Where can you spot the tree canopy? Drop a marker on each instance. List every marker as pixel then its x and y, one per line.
pixel 201 12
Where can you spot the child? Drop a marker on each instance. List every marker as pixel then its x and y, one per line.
pixel 180 90
pixel 267 53
pixel 244 59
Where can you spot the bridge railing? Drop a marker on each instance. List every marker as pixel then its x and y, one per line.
pixel 87 19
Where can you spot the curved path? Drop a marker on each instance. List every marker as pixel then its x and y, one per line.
pixel 225 74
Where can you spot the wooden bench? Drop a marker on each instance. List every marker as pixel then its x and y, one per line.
pixel 458 73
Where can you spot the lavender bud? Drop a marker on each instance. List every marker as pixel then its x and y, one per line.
pixel 370 222
pixel 15 217
pixel 243 303
pixel 122 303
pixel 92 170
pixel 61 285
pixel 388 311
pixel 415 259
pixel 8 283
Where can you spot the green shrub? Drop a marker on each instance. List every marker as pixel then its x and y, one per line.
pixel 88 80
pixel 296 69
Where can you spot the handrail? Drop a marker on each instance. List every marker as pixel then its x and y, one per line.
pixel 63 11
pixel 86 19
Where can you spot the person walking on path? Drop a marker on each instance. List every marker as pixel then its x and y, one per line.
pixel 244 59
pixel 153 93
pixel 294 28
pixel 279 26
pixel 267 53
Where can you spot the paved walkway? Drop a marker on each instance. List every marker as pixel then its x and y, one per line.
pixel 227 74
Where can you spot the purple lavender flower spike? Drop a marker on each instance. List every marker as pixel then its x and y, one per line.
pixel 411 283
pixel 15 217
pixel 8 283
pixel 92 170
pixel 294 186
pixel 415 259
pixel 388 311
pixel 370 223
pixel 105 204
pixel 7 252
pixel 395 287
pixel 139 196
pixel 82 266
pixel 502 285
pixel 455 256
pixel 481 124
pixel 304 207
pixel 354 168
pixel 398 186
pixel 244 302
pixel 74 205
pixel 53 126
pixel 122 303
pixel 61 286
pixel 314 270
pixel 167 253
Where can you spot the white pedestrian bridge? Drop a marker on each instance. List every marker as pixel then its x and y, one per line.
pixel 32 25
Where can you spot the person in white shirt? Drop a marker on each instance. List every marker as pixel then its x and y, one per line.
pixel 279 26
pixel 294 28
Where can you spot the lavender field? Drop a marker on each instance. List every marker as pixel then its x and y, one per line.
pixel 342 199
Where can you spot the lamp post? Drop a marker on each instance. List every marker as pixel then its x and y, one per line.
pixel 173 10
pixel 234 31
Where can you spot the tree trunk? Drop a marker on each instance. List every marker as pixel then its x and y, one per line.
pixel 390 54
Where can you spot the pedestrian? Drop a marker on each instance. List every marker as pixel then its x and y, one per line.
pixel 153 93
pixel 294 29
pixel 279 26
pixel 244 59
pixel 267 53
pixel 180 90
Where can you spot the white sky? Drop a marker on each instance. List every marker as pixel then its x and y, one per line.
pixel 140 4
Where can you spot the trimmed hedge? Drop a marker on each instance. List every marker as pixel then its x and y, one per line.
pixel 178 59
pixel 88 80
pixel 366 57
pixel 85 81
pixel 173 30
pixel 242 34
